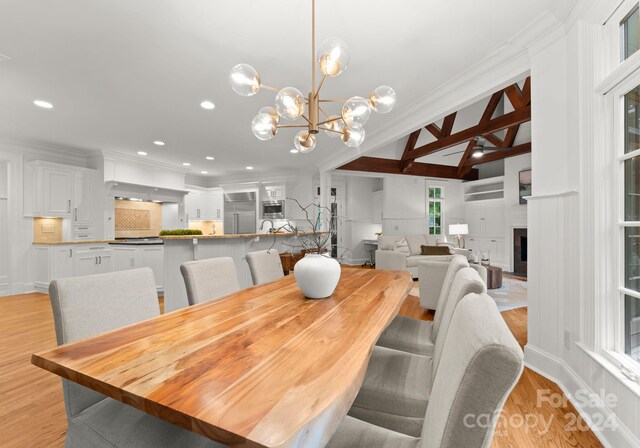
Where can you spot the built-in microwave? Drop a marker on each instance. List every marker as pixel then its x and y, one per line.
pixel 273 210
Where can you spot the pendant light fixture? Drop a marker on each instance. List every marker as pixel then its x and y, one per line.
pixel 292 105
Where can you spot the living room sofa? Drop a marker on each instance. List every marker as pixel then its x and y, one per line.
pixel 393 255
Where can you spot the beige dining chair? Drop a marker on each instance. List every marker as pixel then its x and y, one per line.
pixel 87 306
pixel 265 266
pixel 481 363
pixel 397 385
pixel 209 279
pixel 415 335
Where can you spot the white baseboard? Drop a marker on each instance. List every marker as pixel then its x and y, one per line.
pixel 558 371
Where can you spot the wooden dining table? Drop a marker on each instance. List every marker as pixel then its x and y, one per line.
pixel 263 367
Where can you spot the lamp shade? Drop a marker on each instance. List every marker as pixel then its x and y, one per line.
pixel 459 229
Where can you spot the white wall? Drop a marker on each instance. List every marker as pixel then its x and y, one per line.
pixel 4 222
pixel 566 298
pixel 359 222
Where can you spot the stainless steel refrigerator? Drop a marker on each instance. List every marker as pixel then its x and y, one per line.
pixel 240 213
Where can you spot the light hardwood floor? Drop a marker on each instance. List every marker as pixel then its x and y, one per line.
pixel 32 410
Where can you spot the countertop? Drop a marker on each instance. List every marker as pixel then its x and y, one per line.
pixel 230 236
pixel 62 243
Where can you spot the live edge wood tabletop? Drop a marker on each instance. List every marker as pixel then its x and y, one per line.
pixel 264 367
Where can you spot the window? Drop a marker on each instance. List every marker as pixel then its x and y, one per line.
pixel 436 210
pixel 629 36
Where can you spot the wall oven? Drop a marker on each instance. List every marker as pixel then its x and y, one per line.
pixel 273 210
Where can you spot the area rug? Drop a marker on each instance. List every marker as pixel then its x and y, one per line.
pixel 512 295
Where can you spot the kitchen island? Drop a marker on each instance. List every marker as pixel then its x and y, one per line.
pixel 183 248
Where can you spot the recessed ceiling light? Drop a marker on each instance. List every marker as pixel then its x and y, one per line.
pixel 294 151
pixel 142 153
pixel 249 167
pixel 207 105
pixel 159 143
pixel 209 158
pixel 43 104
pixel 186 164
pixel 157 201
pixel 204 172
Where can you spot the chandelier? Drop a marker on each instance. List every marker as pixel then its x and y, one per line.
pixel 291 104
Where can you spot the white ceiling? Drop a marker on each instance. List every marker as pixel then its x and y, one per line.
pixel 124 73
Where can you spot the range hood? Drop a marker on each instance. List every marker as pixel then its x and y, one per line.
pixel 144 192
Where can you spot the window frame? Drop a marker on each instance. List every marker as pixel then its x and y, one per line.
pixel 624 76
pixel 440 200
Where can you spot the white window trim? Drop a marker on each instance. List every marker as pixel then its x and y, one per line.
pixel 623 76
pixel 441 199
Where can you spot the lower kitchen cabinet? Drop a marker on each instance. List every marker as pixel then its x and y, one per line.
pixel 74 260
pixel 132 257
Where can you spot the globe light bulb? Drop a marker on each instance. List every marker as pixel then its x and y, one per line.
pixel 304 142
pixel 383 99
pixel 336 125
pixel 264 126
pixel 290 103
pixel 333 56
pixel 353 136
pixel 244 80
pixel 356 111
pixel 271 111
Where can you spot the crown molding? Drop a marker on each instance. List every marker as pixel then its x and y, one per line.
pixel 108 154
pixel 38 148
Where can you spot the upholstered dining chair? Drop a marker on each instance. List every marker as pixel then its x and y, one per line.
pixel 481 363
pixel 397 385
pixel 209 279
pixel 87 306
pixel 265 266
pixel 419 336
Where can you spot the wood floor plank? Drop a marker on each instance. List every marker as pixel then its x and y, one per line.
pixel 32 410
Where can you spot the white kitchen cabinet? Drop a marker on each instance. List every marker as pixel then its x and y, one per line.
pixel 205 205
pixel 93 260
pixel 62 266
pixel 127 257
pixel 57 261
pixel 57 192
pixel 83 197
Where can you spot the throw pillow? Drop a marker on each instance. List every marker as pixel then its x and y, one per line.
pixel 402 247
pixel 436 250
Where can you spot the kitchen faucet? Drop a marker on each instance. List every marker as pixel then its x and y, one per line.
pixel 262 225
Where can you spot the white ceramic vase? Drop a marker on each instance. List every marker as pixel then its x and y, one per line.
pixel 317 275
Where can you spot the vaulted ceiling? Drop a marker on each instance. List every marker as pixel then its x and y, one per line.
pixel 495 132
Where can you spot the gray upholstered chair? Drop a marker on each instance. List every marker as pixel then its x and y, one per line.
pixel 209 279
pixel 397 386
pixel 481 363
pixel 265 266
pixel 415 335
pixel 87 306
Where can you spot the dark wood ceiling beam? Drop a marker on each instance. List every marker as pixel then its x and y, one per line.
pixel 406 164
pixel 510 137
pixel 434 129
pixel 506 121
pixel 491 107
pixel 462 167
pixel 494 140
pixel 389 166
pixel 492 156
pixel 447 125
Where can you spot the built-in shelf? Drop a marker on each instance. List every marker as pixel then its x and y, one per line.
pixel 484 189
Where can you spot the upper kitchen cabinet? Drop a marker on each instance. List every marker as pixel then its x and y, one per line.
pixel 205 205
pixel 57 190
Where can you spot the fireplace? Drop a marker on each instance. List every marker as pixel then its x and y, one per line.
pixel 520 252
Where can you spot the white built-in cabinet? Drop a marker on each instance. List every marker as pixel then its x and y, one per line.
pixel 62 191
pixel 486 229
pixel 55 261
pixel 70 260
pixel 205 205
pixel 127 257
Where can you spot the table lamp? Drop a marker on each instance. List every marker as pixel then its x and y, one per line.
pixel 459 230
